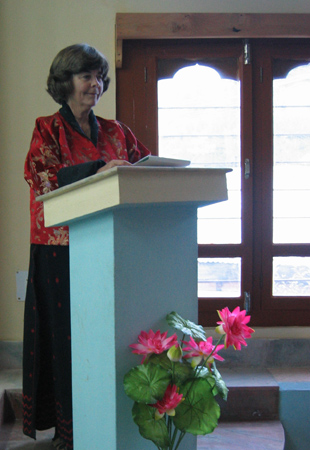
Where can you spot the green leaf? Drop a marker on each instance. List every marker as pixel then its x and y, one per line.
pixel 149 428
pixel 146 383
pixel 215 380
pixel 199 412
pixel 205 373
pixel 220 385
pixel 186 326
pixel 182 372
pixel 162 360
pixel 179 371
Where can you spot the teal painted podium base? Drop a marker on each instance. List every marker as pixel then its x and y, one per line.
pixel 130 267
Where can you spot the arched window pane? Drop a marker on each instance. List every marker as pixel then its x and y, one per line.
pixel 199 120
pixel 291 181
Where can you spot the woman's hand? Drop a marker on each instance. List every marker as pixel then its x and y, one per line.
pixel 113 163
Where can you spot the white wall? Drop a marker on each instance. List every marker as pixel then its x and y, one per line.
pixel 31 33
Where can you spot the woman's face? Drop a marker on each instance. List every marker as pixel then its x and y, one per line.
pixel 87 89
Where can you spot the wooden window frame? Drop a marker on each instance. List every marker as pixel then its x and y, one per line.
pixel 165 26
pixel 178 26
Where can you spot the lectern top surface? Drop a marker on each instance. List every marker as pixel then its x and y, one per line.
pixel 132 187
pixel 140 172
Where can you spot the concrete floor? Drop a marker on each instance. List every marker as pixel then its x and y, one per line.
pixel 228 436
pixel 12 438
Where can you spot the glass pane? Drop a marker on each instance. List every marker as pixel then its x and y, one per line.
pixel 291 195
pixel 291 276
pixel 199 120
pixel 219 277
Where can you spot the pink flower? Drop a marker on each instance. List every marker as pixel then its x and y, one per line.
pixel 233 324
pixel 153 343
pixel 202 351
pixel 170 401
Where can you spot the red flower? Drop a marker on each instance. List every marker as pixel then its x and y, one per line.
pixel 233 324
pixel 170 401
pixel 202 350
pixel 153 343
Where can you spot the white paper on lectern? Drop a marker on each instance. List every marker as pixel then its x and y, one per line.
pixel 159 161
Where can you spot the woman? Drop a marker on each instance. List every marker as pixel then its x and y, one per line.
pixel 67 146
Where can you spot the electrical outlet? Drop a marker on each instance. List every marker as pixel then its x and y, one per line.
pixel 21 284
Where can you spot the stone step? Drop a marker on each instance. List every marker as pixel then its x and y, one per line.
pixel 13 405
pixel 249 419
pixel 253 395
pixel 9 380
pixel 227 436
pixel 262 435
pixel 256 433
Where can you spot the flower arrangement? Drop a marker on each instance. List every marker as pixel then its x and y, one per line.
pixel 175 385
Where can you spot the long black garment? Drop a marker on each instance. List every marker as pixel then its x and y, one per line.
pixel 47 392
pixel 47 386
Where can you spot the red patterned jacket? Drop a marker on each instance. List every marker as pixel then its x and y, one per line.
pixel 57 143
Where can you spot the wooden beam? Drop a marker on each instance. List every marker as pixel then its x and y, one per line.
pixel 213 25
pixel 165 26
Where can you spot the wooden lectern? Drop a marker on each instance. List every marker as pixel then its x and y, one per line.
pixel 133 260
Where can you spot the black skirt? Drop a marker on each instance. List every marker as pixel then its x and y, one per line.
pixel 47 388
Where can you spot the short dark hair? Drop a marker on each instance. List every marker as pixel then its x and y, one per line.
pixel 70 61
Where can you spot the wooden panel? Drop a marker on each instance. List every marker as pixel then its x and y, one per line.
pixel 214 25
pixel 197 25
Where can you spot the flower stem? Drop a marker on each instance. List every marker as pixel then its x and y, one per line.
pixel 182 434
pixel 173 373
pixel 169 424
pixel 213 351
pixel 173 437
pixel 182 340
pixel 218 342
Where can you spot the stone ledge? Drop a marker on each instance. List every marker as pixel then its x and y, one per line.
pixel 266 353
pixel 11 355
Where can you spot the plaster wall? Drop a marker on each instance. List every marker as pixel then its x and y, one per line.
pixel 31 33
